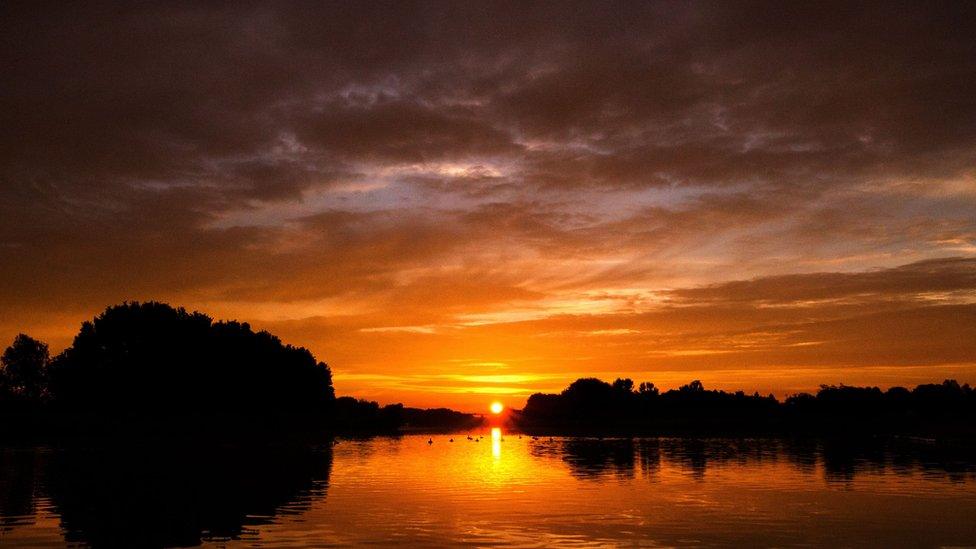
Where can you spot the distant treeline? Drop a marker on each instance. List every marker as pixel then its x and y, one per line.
pixel 150 365
pixel 350 411
pixel 593 406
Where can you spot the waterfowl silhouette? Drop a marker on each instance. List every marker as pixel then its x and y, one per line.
pixel 430 441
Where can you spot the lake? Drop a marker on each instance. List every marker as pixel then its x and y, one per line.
pixel 503 489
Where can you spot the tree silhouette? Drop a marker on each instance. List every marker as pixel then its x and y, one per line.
pixel 694 387
pixel 24 369
pixel 150 362
pixel 153 365
pixel 647 388
pixel 139 359
pixel 592 406
pixel 623 385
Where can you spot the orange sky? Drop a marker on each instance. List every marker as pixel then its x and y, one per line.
pixel 452 204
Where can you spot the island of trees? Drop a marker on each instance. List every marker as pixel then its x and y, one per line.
pixel 592 406
pixel 150 366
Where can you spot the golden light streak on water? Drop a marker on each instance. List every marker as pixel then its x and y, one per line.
pixel 496 442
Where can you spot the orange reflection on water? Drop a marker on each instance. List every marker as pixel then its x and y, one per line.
pixel 460 489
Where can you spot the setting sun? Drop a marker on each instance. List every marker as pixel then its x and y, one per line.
pixel 331 235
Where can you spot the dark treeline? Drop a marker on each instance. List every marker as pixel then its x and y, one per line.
pixel 350 411
pixel 149 365
pixel 152 366
pixel 439 419
pixel 593 406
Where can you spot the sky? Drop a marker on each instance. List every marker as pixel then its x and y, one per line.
pixel 452 203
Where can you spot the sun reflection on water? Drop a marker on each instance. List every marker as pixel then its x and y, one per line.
pixel 450 489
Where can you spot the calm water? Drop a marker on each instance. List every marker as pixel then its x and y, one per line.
pixel 503 490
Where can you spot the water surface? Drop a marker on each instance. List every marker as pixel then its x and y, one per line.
pixel 500 490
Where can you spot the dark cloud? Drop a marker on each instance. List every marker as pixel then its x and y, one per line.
pixel 696 90
pixel 932 279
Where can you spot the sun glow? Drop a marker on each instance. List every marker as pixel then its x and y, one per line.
pixel 496 407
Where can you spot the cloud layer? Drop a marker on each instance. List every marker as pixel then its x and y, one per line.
pixel 428 194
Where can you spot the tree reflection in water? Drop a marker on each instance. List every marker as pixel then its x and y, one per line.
pixel 385 491
pixel 18 474
pixel 598 459
pixel 159 496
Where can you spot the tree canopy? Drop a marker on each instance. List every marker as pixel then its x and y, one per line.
pixel 153 358
pixel 23 369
